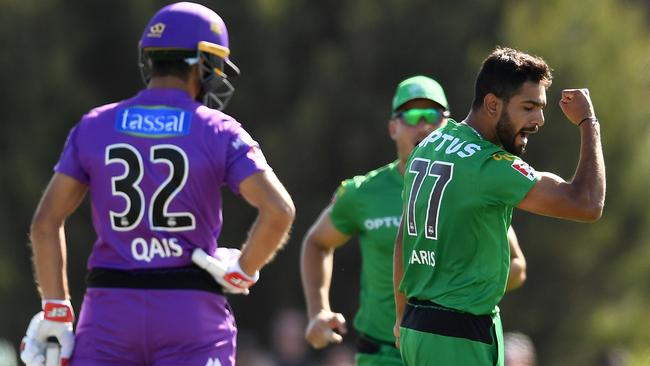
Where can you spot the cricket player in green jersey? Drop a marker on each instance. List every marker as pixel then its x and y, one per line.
pixel 460 187
pixel 370 207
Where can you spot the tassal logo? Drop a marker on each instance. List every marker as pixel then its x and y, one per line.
pixel 153 121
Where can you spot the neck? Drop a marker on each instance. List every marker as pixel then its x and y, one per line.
pixel 401 165
pixel 172 82
pixel 479 122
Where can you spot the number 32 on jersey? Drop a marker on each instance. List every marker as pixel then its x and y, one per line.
pixel 127 186
pixel 423 169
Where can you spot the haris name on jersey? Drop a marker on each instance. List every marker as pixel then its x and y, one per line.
pixel 143 250
pixel 424 257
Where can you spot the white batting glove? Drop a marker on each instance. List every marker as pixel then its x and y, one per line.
pixel 225 269
pixel 54 321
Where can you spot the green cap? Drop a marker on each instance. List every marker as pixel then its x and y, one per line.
pixel 419 87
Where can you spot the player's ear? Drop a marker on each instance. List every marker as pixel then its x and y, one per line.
pixel 392 128
pixel 194 80
pixel 492 105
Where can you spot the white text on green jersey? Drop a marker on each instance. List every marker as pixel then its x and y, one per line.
pixel 453 144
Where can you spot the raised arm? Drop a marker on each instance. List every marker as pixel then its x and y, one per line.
pixel 316 262
pixel 62 197
pixel 270 231
pixel 582 198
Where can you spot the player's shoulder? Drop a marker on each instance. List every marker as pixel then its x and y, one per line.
pixel 217 120
pixel 97 112
pixel 214 115
pixel 374 176
pixel 502 161
pixel 109 109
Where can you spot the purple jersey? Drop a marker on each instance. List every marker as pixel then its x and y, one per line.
pixel 155 165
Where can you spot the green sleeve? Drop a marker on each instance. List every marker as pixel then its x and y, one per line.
pixel 344 207
pixel 506 179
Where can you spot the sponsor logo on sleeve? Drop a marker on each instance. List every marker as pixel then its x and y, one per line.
pixel 153 121
pixel 503 156
pixel 523 168
pixel 256 154
pixel 237 143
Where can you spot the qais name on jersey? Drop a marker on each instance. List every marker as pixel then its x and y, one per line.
pixel 147 250
pixel 451 144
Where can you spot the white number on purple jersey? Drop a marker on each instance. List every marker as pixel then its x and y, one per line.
pixel 127 187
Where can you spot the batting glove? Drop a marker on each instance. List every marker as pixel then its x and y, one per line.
pixel 225 269
pixel 54 321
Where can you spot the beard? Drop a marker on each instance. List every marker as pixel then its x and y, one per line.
pixel 507 135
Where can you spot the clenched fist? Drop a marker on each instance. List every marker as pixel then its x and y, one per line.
pixel 576 105
pixel 324 328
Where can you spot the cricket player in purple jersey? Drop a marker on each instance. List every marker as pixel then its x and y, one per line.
pixel 154 166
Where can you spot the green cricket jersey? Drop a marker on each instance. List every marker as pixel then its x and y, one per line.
pixel 459 194
pixel 370 207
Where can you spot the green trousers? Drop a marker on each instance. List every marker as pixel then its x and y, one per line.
pixel 387 356
pixel 451 344
pixel 374 352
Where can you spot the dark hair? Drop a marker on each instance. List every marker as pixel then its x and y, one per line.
pixel 505 70
pixel 170 63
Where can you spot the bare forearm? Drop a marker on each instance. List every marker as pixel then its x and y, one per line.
pixel 398 272
pixel 49 248
pixel 589 180
pixel 517 275
pixel 316 269
pixel 268 234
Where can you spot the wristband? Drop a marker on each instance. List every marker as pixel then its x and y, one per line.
pixel 58 310
pixel 236 277
pixel 587 118
pixel 237 268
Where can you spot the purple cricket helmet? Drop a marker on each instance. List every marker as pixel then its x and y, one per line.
pixel 194 34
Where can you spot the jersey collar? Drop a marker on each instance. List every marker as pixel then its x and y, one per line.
pixel 463 123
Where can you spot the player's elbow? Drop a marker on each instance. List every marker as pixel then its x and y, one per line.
pixel 590 204
pixel 282 212
pixel 314 244
pixel 592 212
pixel 595 214
pixel 43 225
pixel 288 211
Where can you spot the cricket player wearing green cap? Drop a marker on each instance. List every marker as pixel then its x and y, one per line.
pixel 369 207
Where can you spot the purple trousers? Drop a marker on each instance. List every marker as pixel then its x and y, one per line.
pixel 145 327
